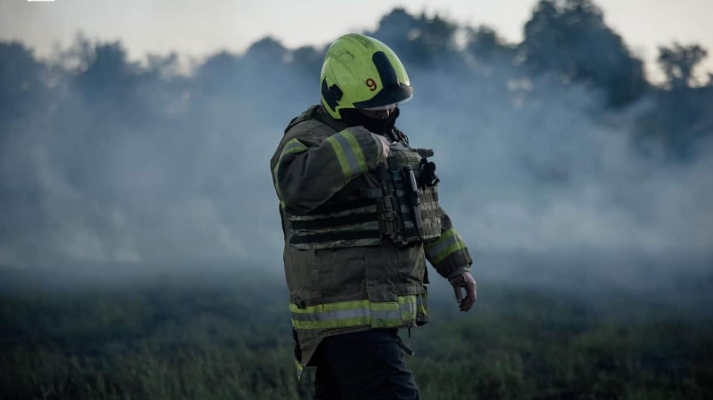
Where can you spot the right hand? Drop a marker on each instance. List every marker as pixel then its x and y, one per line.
pixel 385 146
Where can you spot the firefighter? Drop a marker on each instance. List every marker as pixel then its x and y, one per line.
pixel 360 214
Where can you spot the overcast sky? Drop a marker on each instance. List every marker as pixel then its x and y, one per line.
pixel 197 28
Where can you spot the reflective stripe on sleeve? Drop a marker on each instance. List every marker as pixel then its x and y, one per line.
pixel 449 243
pixel 349 154
pixel 293 146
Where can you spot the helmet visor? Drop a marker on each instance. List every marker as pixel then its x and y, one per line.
pixel 387 106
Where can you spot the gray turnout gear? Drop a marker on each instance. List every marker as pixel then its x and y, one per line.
pixel 348 266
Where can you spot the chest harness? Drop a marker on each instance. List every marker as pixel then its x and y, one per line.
pixel 404 208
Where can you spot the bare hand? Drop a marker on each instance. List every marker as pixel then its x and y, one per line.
pixel 464 281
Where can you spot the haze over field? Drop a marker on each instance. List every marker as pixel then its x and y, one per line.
pixel 556 144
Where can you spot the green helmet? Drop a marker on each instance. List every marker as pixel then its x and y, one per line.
pixel 363 73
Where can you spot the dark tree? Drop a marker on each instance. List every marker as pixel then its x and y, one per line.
pixel 21 81
pixel 268 51
pixel 485 44
pixel 419 41
pixel 683 113
pixel 679 63
pixel 571 39
pixel 309 60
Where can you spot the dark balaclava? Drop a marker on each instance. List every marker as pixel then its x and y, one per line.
pixel 352 117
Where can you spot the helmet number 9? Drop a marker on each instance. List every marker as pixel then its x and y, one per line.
pixel 371 84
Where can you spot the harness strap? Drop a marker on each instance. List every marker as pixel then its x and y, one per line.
pixel 335 236
pixel 333 208
pixel 335 222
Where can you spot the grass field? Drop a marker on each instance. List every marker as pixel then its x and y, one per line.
pixel 225 337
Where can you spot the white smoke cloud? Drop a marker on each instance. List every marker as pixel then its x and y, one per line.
pixel 525 166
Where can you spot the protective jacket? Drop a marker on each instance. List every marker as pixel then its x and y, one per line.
pixel 357 233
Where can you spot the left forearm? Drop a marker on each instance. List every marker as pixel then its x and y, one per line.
pixel 449 253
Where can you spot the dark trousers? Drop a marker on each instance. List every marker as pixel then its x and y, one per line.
pixel 363 366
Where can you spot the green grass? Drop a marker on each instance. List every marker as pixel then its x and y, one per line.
pixel 227 339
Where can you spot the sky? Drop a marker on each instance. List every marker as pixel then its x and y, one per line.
pixel 195 28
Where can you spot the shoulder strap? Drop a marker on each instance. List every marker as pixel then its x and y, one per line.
pixel 305 116
pixel 400 136
pixel 318 114
pixel 321 115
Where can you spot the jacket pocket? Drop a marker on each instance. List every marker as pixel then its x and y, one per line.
pixel 343 273
pixel 303 273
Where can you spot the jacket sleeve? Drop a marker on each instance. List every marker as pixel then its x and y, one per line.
pixel 307 169
pixel 449 254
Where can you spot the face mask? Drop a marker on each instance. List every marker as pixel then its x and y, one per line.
pixel 353 117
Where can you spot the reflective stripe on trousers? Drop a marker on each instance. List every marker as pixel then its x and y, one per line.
pixel 359 313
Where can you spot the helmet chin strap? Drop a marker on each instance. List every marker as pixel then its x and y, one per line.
pixel 352 117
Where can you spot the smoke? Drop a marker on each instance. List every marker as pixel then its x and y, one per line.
pixel 109 162
pixel 559 173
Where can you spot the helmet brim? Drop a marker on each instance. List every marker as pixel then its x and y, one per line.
pixel 387 106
